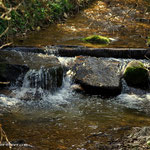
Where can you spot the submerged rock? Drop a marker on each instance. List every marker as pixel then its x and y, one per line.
pixel 96 39
pixel 136 74
pixel 98 75
pixel 37 69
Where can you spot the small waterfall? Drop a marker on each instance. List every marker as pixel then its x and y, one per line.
pixel 28 99
pixel 43 78
pixel 42 88
pixel 36 83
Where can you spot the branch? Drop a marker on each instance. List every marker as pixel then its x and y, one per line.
pixel 4 45
pixel 3 134
pixel 3 6
pixel 4 32
pixel 3 16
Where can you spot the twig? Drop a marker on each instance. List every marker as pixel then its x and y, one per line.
pixel 3 134
pixel 9 11
pixel 7 44
pixel 146 57
pixel 3 6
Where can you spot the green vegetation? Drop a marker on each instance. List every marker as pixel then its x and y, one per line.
pixel 37 13
pixel 22 16
pixel 136 74
pixel 96 39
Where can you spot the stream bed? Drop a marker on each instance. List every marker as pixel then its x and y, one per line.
pixel 67 120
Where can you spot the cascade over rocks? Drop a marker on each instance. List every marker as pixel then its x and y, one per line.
pixel 98 75
pixel 41 70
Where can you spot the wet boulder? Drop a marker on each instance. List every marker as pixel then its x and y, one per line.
pixel 98 75
pixel 136 74
pixel 45 71
pixel 9 73
pixel 33 70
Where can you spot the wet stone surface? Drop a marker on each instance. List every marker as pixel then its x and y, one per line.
pixel 42 70
pixel 98 75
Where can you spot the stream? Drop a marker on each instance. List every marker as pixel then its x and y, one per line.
pixel 67 120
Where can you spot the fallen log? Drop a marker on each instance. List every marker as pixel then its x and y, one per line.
pixel 72 51
pixel 105 52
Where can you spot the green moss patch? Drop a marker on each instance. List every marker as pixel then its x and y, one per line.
pixel 136 74
pixel 96 39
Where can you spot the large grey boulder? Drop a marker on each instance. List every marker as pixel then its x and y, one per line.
pixel 37 69
pixel 98 75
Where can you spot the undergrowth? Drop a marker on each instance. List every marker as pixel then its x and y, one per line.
pixel 35 13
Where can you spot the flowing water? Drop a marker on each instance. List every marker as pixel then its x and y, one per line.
pixel 66 119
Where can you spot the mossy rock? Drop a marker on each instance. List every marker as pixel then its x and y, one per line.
pixel 96 39
pixel 136 74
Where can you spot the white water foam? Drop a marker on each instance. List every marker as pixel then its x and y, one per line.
pixel 66 61
pixel 133 101
pixel 8 101
pixel 26 98
pixel 36 97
